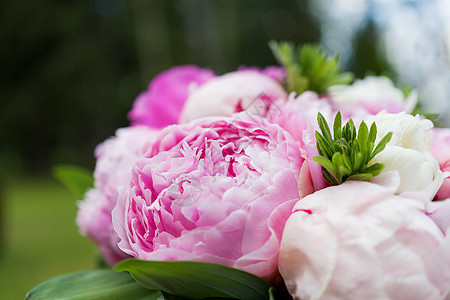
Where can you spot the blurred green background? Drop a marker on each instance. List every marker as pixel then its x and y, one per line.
pixel 70 71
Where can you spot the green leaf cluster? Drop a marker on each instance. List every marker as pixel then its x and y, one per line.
pixel 308 68
pixel 346 155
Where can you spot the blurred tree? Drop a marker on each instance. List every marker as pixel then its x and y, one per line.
pixel 71 70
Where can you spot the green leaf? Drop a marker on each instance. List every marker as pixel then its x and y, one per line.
pixel 381 145
pixel 195 279
pixel 347 162
pixel 330 177
pixel 93 284
pixel 325 163
pixel 358 161
pixel 373 133
pixel 337 132
pixel 363 135
pixel 375 169
pixel 324 147
pixel 76 179
pixel 361 177
pixel 323 125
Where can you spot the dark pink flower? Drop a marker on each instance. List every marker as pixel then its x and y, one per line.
pixel 161 104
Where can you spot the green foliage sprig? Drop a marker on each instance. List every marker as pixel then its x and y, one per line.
pixel 308 68
pixel 347 154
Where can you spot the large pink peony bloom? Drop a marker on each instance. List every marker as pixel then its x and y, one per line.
pixel 360 241
pixel 233 92
pixel 441 151
pixel 115 157
pixel 161 104
pixel 216 190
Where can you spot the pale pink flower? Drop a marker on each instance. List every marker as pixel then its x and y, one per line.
pixel 160 105
pixel 115 157
pixel 441 151
pixel 233 92
pixel 439 211
pixel 298 116
pixel 358 240
pixel 370 96
pixel 215 190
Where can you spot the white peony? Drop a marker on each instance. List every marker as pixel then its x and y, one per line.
pixel 408 152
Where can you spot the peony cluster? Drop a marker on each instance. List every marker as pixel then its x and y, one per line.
pixel 221 169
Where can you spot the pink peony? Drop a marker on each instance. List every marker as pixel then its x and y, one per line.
pixel 233 92
pixel 298 116
pixel 441 151
pixel 216 190
pixel 439 212
pixel 161 104
pixel 115 157
pixel 360 241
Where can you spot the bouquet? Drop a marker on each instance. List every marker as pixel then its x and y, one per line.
pixel 285 182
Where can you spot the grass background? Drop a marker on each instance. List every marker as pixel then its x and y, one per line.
pixel 39 238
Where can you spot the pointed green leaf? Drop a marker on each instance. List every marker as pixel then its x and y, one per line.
pixel 381 145
pixel 325 163
pixel 375 169
pixel 323 125
pixel 347 162
pixel 349 131
pixel 330 177
pixel 195 279
pixel 369 149
pixel 361 177
pixel 325 148
pixel 363 135
pixel 76 179
pixel 373 133
pixel 94 284
pixel 337 126
pixel 358 161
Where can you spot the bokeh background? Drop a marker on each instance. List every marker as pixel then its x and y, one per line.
pixel 70 71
